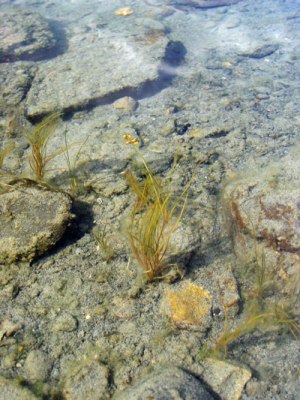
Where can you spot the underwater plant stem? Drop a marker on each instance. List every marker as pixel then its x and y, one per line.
pixel 38 140
pixel 263 320
pixel 152 221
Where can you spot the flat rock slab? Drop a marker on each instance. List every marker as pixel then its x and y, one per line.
pixel 32 220
pixel 167 384
pixel 24 35
pixel 97 66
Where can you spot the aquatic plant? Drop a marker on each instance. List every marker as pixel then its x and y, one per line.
pixel 4 174
pixel 5 152
pixel 263 311
pixel 38 140
pixel 101 236
pixel 276 316
pixel 74 181
pixel 154 218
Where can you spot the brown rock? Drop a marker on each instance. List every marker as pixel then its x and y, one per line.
pixel 32 220
pixel 125 103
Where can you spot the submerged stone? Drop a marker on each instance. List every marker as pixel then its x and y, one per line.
pixel 188 307
pixel 125 103
pixel 167 384
pixel 88 380
pixel 11 390
pixel 24 35
pixel 98 69
pixel 37 366
pixel 262 51
pixel 32 221
pixel 264 210
pixel 65 323
pixel 8 328
pixel 226 379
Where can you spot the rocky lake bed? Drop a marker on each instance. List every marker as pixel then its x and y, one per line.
pixel 202 95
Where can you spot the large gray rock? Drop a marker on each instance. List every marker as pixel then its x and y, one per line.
pixel 32 220
pixel 98 66
pixel 24 35
pixel 167 384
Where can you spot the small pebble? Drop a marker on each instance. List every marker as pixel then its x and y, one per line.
pixel 125 103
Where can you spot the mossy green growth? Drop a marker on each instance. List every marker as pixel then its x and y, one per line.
pixel 155 216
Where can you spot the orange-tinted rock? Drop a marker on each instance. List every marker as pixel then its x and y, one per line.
pixel 188 307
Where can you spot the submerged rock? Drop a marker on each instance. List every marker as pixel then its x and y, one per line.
pixel 24 35
pixel 13 88
pixel 32 221
pixel 88 380
pixel 264 210
pixel 226 379
pixel 188 307
pixel 8 328
pixel 37 366
pixel 65 323
pixel 98 67
pixel 125 103
pixel 262 51
pixel 167 384
pixel 11 390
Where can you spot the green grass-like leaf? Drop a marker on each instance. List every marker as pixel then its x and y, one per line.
pixel 156 215
pixel 38 140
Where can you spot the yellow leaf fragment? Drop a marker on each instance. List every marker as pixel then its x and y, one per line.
pixel 124 11
pixel 196 132
pixel 129 139
pixel 227 64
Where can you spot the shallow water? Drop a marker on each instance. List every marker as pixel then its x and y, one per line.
pixel 220 87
